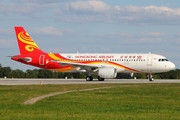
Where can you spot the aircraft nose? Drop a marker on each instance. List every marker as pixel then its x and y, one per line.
pixel 172 66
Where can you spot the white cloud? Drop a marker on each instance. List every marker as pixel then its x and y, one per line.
pixel 23 8
pixel 147 14
pixel 178 34
pixel 6 43
pixel 177 38
pixel 47 31
pixel 124 38
pixel 154 34
pixel 132 9
pixel 42 1
pixel 159 10
pixel 91 5
pixel 93 11
pixel 150 40
pixel 149 10
pixel 4 31
pixel 151 37
pixel 118 8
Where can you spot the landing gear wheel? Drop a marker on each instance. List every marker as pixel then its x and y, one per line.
pixel 89 78
pixel 151 79
pixel 100 79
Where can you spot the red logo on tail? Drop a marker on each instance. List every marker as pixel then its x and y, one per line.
pixel 25 42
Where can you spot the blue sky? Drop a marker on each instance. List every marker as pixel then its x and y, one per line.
pixel 92 26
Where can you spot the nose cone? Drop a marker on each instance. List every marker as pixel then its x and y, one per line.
pixel 171 66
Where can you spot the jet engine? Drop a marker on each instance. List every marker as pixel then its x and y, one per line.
pixel 107 72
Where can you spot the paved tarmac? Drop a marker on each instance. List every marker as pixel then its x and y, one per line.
pixel 78 81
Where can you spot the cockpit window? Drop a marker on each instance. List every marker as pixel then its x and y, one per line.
pixel 166 60
pixel 162 59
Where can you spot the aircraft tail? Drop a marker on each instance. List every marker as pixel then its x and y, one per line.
pixel 25 42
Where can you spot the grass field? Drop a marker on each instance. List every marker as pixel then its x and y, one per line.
pixel 121 102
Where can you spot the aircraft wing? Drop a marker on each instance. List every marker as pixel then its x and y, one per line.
pixel 84 66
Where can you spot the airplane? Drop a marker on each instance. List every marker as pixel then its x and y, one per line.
pixel 105 66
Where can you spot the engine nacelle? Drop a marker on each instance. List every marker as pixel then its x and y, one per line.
pixel 107 72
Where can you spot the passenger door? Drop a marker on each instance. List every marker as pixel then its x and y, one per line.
pixel 149 60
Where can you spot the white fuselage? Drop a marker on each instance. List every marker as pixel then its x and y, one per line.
pixel 127 63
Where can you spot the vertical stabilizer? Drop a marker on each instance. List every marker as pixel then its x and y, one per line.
pixel 25 42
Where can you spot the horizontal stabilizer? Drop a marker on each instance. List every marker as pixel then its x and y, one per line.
pixel 25 59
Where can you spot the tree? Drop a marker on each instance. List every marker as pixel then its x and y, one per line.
pixel 1 74
pixel 31 74
pixel 17 74
pixel 6 72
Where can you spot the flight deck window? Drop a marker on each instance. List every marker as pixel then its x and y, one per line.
pixel 162 60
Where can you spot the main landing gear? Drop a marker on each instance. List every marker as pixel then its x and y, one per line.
pixel 150 77
pixel 90 78
pixel 100 79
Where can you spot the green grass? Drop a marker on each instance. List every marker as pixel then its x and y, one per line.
pixel 124 101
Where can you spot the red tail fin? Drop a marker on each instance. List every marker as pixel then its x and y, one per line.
pixel 25 42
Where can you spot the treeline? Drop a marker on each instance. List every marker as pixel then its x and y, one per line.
pixel 7 72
